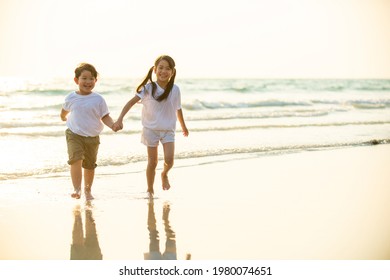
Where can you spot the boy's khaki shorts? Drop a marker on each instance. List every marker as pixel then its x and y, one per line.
pixel 82 148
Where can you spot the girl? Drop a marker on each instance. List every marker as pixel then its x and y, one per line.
pixel 161 108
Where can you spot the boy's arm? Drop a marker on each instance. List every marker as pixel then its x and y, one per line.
pixel 63 114
pixel 182 123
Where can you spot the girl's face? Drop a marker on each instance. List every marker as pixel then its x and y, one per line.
pixel 86 82
pixel 163 72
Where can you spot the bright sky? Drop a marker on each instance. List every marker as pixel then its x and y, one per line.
pixel 207 38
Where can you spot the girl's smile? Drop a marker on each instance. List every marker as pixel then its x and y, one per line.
pixel 163 72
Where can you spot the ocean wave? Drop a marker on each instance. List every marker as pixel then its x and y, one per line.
pixel 277 149
pixel 41 131
pixel 202 105
pixel 287 85
pixel 282 126
pixel 23 124
pixel 49 91
pixel 329 85
pixel 36 172
pixel 37 107
pixel 231 103
pixel 237 115
pixel 198 104
pixel 212 155
pixel 370 105
pixel 244 86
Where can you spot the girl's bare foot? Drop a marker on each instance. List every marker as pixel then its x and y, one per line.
pixel 165 182
pixel 88 195
pixel 150 194
pixel 76 193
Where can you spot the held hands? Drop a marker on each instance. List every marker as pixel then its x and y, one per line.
pixel 117 126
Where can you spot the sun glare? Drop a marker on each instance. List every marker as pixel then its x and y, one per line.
pixel 245 39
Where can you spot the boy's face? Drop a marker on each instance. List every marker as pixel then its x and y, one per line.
pixel 86 82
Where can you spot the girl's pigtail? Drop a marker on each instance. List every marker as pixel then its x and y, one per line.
pixel 145 81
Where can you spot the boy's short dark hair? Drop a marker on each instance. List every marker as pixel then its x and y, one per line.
pixel 85 67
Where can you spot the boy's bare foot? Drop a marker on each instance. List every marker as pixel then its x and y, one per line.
pixel 165 182
pixel 76 193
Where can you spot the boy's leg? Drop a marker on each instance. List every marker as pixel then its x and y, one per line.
pixel 76 154
pixel 89 164
pixel 151 168
pixel 89 175
pixel 169 151
pixel 76 175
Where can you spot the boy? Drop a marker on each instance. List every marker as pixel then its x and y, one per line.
pixel 88 111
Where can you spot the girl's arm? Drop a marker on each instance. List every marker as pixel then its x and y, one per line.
pixel 63 114
pixel 119 123
pixel 108 121
pixel 182 123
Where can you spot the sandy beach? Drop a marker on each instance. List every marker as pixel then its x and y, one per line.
pixel 312 205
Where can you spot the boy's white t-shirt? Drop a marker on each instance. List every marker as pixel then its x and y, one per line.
pixel 159 115
pixel 86 112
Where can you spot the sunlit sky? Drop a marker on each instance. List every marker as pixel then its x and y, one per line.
pixel 207 38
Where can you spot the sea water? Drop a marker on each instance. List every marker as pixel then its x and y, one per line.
pixel 227 119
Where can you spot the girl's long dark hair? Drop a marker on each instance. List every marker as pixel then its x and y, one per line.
pixel 148 78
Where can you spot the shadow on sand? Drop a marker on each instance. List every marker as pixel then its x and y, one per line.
pixel 154 244
pixel 84 248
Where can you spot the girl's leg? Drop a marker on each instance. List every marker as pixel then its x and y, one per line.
pixel 76 175
pixel 169 152
pixel 151 168
pixel 89 174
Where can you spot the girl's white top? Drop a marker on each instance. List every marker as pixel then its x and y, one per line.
pixel 86 112
pixel 159 115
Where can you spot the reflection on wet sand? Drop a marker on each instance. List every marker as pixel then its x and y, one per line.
pixel 154 245
pixel 84 248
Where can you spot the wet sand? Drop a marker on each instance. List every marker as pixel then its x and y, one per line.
pixel 313 205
